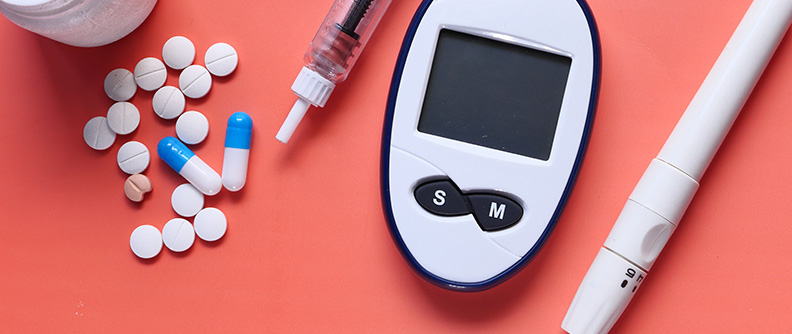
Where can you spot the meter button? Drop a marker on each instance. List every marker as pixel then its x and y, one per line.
pixel 441 198
pixel 494 212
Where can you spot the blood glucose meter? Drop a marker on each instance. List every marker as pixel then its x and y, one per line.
pixel 487 121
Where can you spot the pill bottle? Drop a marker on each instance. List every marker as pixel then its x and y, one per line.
pixel 82 23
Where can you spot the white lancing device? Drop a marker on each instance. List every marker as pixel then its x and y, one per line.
pixel 663 193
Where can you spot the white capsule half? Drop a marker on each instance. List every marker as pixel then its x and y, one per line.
pixel 237 151
pixel 189 165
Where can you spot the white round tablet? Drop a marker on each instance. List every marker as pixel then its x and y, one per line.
pixel 120 85
pixel 168 102
pixel 123 118
pixel 150 74
pixel 210 224
pixel 178 235
pixel 146 241
pixel 195 81
pixel 221 59
pixel 133 157
pixel 186 200
pixel 192 127
pixel 97 134
pixel 178 52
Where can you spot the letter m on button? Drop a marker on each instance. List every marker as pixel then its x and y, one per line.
pixel 497 211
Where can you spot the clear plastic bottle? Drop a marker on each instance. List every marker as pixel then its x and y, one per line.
pixel 82 23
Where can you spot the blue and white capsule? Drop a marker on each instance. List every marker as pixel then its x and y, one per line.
pixel 189 165
pixel 237 151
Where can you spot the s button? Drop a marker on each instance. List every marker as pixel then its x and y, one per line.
pixel 441 198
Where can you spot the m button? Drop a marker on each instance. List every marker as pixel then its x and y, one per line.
pixel 493 212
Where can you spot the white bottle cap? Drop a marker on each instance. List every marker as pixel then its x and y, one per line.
pixel 608 287
pixel 312 86
pixel 313 89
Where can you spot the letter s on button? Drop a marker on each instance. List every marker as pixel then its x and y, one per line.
pixel 439 199
pixel 442 198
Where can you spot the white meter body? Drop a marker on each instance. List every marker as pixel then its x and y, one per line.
pixel 487 121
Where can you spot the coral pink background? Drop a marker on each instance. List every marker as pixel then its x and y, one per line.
pixel 307 249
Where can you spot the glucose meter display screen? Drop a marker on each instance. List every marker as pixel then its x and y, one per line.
pixel 494 94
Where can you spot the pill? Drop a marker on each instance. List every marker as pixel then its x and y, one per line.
pixel 178 52
pixel 133 157
pixel 150 74
pixel 221 59
pixel 123 118
pixel 168 102
pixel 189 166
pixel 97 133
pixel 178 235
pixel 120 85
pixel 136 186
pixel 210 224
pixel 237 151
pixel 195 81
pixel 192 127
pixel 146 241
pixel 186 200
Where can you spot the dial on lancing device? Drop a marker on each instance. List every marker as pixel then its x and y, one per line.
pixel 487 121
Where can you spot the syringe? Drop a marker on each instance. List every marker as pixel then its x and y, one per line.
pixel 331 55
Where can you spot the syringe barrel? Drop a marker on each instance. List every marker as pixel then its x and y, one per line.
pixel 711 113
pixel 343 34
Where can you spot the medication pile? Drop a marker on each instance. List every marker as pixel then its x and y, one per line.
pixel 192 127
